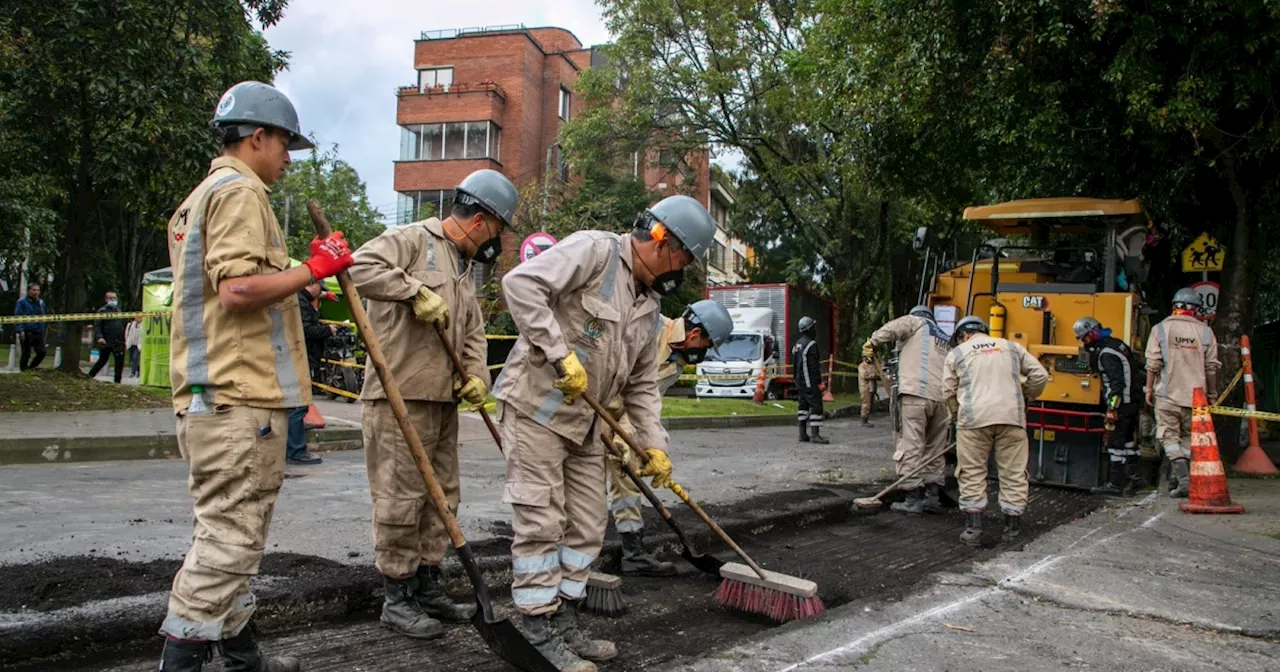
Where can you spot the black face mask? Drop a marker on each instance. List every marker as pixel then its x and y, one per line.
pixel 668 282
pixel 693 355
pixel 489 250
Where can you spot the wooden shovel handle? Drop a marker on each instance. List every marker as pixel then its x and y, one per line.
pixel 462 373
pixel 374 349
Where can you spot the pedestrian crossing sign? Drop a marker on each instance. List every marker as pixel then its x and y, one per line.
pixel 1204 254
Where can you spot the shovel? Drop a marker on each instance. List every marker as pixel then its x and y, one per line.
pixel 499 634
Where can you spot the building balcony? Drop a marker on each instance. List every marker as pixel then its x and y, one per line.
pixel 479 101
pixel 446 174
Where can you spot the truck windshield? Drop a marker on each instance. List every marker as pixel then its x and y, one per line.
pixel 739 348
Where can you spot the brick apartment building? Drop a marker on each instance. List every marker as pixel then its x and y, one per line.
pixel 496 97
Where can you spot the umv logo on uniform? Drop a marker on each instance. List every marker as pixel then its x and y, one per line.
pixel 1035 302
pixel 1186 341
pixel 986 347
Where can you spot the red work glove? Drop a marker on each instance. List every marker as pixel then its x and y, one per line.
pixel 329 256
pixel 330 296
pixel 1109 423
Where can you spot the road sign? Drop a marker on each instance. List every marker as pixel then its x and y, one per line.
pixel 535 244
pixel 1208 292
pixel 1204 253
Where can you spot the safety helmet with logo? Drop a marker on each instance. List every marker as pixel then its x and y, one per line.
pixel 1187 298
pixel 248 106
pixel 806 324
pixel 687 220
pixel 968 325
pixel 922 311
pixel 492 191
pixel 1085 326
pixel 713 318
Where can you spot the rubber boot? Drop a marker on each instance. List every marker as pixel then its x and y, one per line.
pixel 1137 482
pixel 804 432
pixel 1012 528
pixel 565 621
pixel 433 600
pixel 638 562
pixel 914 503
pixel 866 422
pixel 972 535
pixel 401 612
pixel 1182 474
pixel 1116 481
pixel 932 500
pixel 184 656
pixel 543 636
pixel 816 437
pixel 241 654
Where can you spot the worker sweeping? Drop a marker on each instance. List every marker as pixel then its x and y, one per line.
pixel 703 325
pixel 1182 354
pixel 587 310
pixel 806 357
pixel 868 376
pixel 922 348
pixel 237 364
pixel 983 385
pixel 418 278
pixel 1121 374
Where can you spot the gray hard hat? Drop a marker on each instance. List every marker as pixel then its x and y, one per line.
pixel 806 323
pixel 922 311
pixel 249 105
pixel 970 324
pixel 1188 297
pixel 713 318
pixel 492 191
pixel 1084 326
pixel 691 224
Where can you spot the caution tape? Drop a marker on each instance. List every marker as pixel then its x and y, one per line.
pixel 1230 387
pixel 334 390
pixel 1244 413
pixel 80 317
pixel 349 365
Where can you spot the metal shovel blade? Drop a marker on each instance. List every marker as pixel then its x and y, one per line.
pixel 505 640
pixel 705 563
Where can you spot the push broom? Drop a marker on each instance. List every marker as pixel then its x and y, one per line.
pixel 746 587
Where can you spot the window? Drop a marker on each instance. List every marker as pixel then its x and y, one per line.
pixel 454 140
pixel 566 100
pixel 717 254
pixel 415 206
pixel 739 263
pixel 433 77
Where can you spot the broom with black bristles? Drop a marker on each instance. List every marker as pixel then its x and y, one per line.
pixel 748 587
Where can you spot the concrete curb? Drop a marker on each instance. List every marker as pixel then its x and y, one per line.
pixel 165 446
pixel 29 637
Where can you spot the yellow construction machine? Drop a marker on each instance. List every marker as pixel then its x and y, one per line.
pixel 1052 261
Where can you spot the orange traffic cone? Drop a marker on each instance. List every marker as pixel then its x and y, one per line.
pixel 313 420
pixel 759 395
pixel 1208 479
pixel 1253 460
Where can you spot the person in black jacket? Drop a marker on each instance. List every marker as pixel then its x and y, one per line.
pixel 806 364
pixel 1122 381
pixel 109 335
pixel 314 334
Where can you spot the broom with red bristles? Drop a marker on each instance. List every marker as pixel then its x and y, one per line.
pixel 746 587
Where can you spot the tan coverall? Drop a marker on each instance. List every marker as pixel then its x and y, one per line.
pixel 624 497
pixel 867 379
pixel 984 378
pixel 389 270
pixel 922 348
pixel 579 294
pixel 253 367
pixel 1180 351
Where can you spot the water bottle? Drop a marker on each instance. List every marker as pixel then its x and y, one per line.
pixel 198 405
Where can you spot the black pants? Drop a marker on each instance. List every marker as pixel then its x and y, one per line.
pixel 117 353
pixel 809 409
pixel 1122 443
pixel 32 350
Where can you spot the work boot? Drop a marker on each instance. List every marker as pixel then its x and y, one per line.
pixel 816 437
pixel 402 613
pixel 433 600
pixel 866 422
pixel 1012 528
pixel 914 503
pixel 638 562
pixel 543 636
pixel 804 433
pixel 972 535
pixel 241 654
pixel 565 621
pixel 932 500
pixel 1116 483
pixel 184 656
pixel 1179 479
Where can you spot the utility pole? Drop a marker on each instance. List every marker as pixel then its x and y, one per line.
pixel 288 200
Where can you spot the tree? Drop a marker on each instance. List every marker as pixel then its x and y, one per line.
pixel 332 182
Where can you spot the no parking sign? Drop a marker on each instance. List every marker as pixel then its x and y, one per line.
pixel 535 244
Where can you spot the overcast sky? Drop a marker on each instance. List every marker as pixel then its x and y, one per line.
pixel 348 57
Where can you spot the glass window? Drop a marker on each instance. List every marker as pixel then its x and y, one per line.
pixel 432 142
pixel 455 140
pixel 739 348
pixel 477 139
pixel 566 100
pixel 739 263
pixel 432 77
pixel 495 142
pixel 717 254
pixel 405 207
pixel 410 142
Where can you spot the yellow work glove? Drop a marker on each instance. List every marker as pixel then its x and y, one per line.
pixel 659 468
pixel 623 449
pixel 573 378
pixel 431 308
pixel 868 350
pixel 473 391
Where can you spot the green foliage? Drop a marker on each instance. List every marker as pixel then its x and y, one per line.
pixel 336 186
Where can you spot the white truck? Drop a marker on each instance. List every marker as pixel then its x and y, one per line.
pixel 750 346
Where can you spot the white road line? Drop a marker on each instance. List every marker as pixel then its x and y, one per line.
pixel 871 638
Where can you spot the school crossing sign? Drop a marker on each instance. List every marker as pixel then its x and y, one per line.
pixel 1204 254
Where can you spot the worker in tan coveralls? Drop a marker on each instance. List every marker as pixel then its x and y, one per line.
pixel 704 325
pixel 237 364
pixel 987 381
pixel 1182 354
pixel 587 310
pixel 922 348
pixel 417 278
pixel 868 376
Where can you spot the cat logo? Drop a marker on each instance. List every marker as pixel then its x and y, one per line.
pixel 1034 302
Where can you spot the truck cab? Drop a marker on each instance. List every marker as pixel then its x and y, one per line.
pixel 751 345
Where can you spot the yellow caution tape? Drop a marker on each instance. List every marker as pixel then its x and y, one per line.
pixel 1232 386
pixel 334 390
pixel 1244 413
pixel 349 365
pixel 80 317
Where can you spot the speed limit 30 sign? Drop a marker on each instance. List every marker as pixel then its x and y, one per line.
pixel 1208 292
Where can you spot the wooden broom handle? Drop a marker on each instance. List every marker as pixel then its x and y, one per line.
pixel 374 349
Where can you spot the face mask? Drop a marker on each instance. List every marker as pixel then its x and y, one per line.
pixel 112 304
pixel 694 355
pixel 668 282
pixel 489 250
